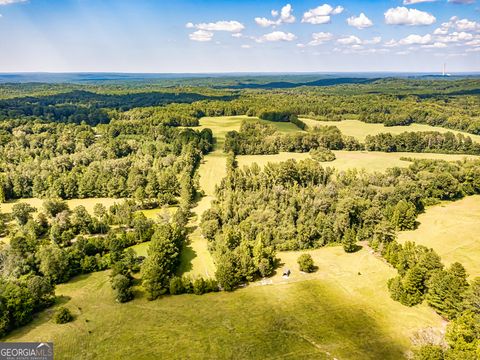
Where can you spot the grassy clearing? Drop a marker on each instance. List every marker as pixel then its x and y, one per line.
pixel 452 230
pixel 334 313
pixel 360 130
pixel 369 161
pixel 88 203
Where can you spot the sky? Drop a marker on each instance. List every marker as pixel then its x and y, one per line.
pixel 200 36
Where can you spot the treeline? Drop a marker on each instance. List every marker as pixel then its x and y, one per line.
pixel 430 141
pixel 84 106
pixel 257 138
pixel 121 159
pixel 57 244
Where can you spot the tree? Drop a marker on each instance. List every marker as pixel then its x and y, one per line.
pixel 472 296
pixel 404 216
pixel 62 316
pixel 163 257
pixel 226 274
pixel 305 262
pixel 54 206
pixel 21 212
pixel 53 263
pixel 350 241
pixel 122 286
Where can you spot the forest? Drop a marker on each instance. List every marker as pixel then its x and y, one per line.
pixel 143 144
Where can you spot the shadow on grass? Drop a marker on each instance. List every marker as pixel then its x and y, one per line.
pixel 186 258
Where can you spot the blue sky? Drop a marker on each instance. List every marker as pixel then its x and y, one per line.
pixel 239 36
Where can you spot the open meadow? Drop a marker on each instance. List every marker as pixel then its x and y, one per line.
pixel 360 130
pixel 342 311
pixel 453 231
pixel 345 160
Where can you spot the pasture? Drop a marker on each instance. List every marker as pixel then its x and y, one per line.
pixel 360 130
pixel 345 160
pixel 452 230
pixel 342 311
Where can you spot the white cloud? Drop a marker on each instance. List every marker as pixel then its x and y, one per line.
pixel 264 22
pixel 416 40
pixel 8 2
pixel 230 26
pixel 457 24
pixel 356 42
pixel 320 38
pixel 321 14
pixel 205 30
pixel 455 37
pixel 374 41
pixel 286 17
pixel 277 36
pixel 436 45
pixel 237 35
pixel 246 46
pixel 404 16
pixel 201 35
pixel 411 2
pixel 349 40
pixel 286 14
pixel 360 22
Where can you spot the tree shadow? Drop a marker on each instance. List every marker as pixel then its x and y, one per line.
pixel 186 258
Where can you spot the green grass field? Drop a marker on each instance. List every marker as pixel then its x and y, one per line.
pixel 360 130
pixel 453 231
pixel 369 161
pixel 333 313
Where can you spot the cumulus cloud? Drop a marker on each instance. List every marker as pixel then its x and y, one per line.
pixel 457 24
pixel 360 22
pixel 455 37
pixel 355 41
pixel 404 16
pixel 205 31
pixel 201 35
pixel 319 39
pixel 8 2
pixel 285 16
pixel 321 14
pixel 246 46
pixel 276 36
pixel 230 26
pixel 349 40
pixel 411 2
pixel 416 40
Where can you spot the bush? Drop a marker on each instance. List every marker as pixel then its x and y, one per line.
pixel 322 154
pixel 62 316
pixel 176 286
pixel 199 286
pixel 305 263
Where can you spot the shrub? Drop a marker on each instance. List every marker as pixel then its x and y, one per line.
pixel 199 286
pixel 322 154
pixel 176 286
pixel 305 263
pixel 62 316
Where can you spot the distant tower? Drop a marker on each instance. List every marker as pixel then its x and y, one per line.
pixel 444 66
